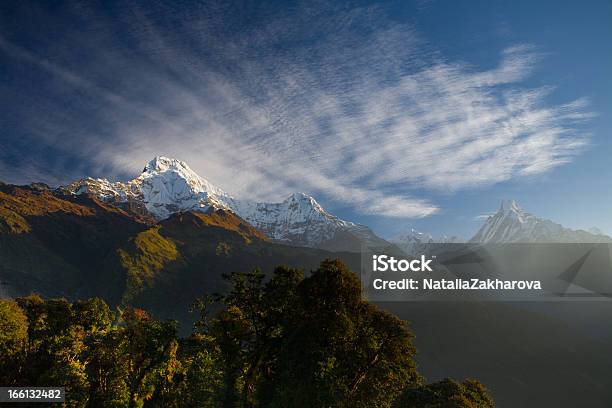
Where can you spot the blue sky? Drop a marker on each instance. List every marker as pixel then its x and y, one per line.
pixel 403 114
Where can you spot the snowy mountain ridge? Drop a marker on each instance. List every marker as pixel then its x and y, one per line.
pixel 415 242
pixel 167 186
pixel 512 224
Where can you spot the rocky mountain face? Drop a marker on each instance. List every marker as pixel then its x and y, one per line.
pixel 80 246
pixel 512 224
pixel 58 245
pixel 168 186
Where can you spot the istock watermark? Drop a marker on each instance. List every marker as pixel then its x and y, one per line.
pixel 501 272
pixel 383 263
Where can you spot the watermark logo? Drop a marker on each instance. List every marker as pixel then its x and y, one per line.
pixel 385 263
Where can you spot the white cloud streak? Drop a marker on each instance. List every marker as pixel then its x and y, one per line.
pixel 318 104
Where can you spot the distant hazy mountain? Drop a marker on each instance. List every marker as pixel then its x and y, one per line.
pixel 414 242
pixel 512 224
pixel 167 186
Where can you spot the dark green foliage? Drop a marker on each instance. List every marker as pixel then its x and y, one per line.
pixel 341 350
pixel 274 341
pixel 13 340
pixel 447 393
pixel 13 327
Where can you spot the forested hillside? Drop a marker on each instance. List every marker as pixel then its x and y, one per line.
pixel 286 341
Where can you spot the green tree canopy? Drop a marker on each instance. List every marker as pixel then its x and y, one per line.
pixel 278 340
pixel 447 393
pixel 13 327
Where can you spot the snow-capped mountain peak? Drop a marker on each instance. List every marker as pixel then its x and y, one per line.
pixel 176 171
pixel 299 219
pixel 413 236
pixel 512 224
pixel 510 206
pixel 163 163
pixel 167 186
pixel 170 185
pixel 304 201
pixel 511 209
pixel 415 242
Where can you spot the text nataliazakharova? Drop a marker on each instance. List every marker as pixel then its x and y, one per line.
pixel 385 263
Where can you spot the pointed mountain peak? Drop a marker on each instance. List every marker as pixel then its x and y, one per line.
pixel 415 236
pixel 300 197
pixel 169 186
pixel 304 200
pixel 177 178
pixel 162 163
pixel 412 235
pixel 512 224
pixel 510 205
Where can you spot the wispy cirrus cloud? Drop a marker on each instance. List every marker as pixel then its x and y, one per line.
pixel 334 102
